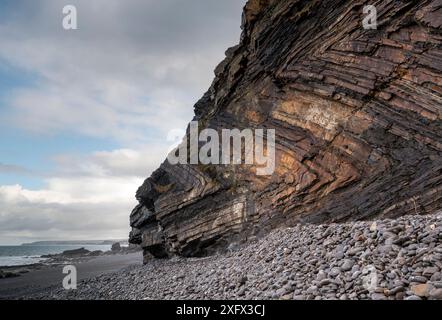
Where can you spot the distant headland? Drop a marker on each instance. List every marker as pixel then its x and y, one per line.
pixel 75 242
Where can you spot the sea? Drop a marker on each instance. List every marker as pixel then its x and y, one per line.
pixel 30 254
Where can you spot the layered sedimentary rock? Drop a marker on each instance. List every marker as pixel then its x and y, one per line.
pixel 357 115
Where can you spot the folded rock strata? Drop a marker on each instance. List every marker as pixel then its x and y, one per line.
pixel 357 115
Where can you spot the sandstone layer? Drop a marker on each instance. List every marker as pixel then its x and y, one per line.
pixel 357 115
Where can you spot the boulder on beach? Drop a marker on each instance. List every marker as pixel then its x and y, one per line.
pixel 116 247
pixel 76 252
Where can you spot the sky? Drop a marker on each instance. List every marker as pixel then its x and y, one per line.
pixel 86 115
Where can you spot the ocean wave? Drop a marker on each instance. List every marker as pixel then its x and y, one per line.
pixel 20 260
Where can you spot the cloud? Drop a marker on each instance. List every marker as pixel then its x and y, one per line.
pixel 86 197
pixel 130 66
pixel 89 199
pixel 116 163
pixel 69 209
pixel 10 168
pixel 51 214
pixel 130 75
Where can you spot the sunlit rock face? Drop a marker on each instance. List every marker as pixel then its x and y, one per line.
pixel 357 115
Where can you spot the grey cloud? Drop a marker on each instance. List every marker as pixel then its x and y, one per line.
pixel 10 168
pixel 33 217
pixel 58 221
pixel 131 65
pixel 115 163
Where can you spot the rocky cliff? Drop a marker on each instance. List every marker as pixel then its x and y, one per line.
pixel 357 115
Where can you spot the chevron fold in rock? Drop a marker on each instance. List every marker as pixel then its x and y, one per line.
pixel 358 126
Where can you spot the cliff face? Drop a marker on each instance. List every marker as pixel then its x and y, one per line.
pixel 357 115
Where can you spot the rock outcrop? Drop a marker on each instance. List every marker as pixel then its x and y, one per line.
pixel 357 115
